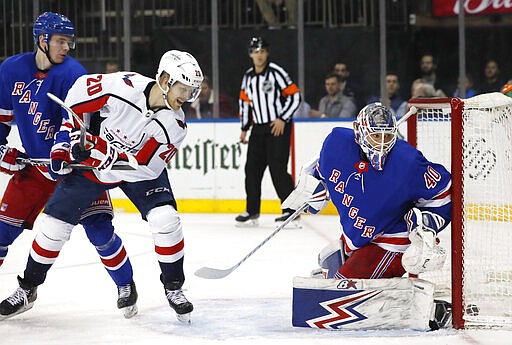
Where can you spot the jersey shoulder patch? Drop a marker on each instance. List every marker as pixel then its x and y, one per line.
pixel 172 124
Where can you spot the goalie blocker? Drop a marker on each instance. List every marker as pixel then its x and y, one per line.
pixel 367 304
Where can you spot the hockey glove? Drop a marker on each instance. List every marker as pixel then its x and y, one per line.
pixel 308 190
pixel 97 153
pixel 8 157
pixel 59 156
pixel 424 254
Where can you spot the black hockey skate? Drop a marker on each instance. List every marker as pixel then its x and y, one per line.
pixel 246 220
pixel 178 301
pixel 20 301
pixel 442 315
pixel 126 300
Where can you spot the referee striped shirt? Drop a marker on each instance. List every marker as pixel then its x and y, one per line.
pixel 267 96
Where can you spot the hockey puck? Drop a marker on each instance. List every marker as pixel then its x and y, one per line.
pixel 472 310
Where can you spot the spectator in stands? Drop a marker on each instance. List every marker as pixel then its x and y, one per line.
pixel 428 68
pixel 335 104
pixel 347 86
pixel 202 107
pixel 492 80
pixel 112 67
pixel 470 90
pixel 304 111
pixel 395 102
pixel 421 89
pixel 268 9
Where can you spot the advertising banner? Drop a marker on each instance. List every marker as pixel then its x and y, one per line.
pixel 471 7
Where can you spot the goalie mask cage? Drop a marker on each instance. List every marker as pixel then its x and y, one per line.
pixel 473 139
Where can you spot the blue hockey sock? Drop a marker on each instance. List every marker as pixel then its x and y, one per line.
pixel 8 233
pixel 100 231
pixel 116 261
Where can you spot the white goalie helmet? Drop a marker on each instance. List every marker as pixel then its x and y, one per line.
pixel 376 132
pixel 183 67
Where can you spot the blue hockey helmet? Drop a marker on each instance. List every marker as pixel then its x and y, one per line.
pixel 50 23
pixel 376 132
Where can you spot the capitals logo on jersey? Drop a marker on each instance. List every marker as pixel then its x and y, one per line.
pixel 126 79
pixel 181 123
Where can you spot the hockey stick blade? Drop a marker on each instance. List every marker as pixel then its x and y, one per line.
pixel 215 273
pixel 78 166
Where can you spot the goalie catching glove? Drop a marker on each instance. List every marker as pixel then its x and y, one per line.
pixel 308 190
pixel 424 254
pixel 98 153
pixel 8 157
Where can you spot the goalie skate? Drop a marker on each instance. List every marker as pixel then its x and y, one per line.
pixel 442 315
pixel 127 298
pixel 20 301
pixel 178 301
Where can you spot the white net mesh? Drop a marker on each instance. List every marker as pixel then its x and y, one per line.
pixel 487 190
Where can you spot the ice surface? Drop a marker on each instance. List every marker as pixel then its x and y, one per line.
pixel 77 304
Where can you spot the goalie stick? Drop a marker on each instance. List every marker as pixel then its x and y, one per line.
pixel 215 273
pixel 132 161
pixel 412 110
pixel 46 162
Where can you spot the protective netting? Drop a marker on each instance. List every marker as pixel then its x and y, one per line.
pixel 487 203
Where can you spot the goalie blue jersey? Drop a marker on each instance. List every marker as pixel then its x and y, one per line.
pixel 23 89
pixel 372 204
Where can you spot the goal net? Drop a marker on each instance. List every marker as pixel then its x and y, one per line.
pixel 473 139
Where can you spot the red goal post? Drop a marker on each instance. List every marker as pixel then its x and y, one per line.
pixel 473 139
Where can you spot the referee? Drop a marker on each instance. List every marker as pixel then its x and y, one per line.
pixel 268 100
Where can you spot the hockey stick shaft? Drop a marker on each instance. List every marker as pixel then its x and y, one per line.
pixel 413 110
pixel 46 162
pixel 73 115
pixel 214 273
pixel 132 161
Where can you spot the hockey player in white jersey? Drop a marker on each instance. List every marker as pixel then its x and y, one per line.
pixel 137 117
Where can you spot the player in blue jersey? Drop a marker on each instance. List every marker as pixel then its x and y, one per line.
pixel 24 81
pixel 391 200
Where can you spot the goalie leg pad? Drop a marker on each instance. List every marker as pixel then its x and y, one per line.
pixel 166 229
pixel 362 304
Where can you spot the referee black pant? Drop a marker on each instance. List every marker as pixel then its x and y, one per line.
pixel 267 150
